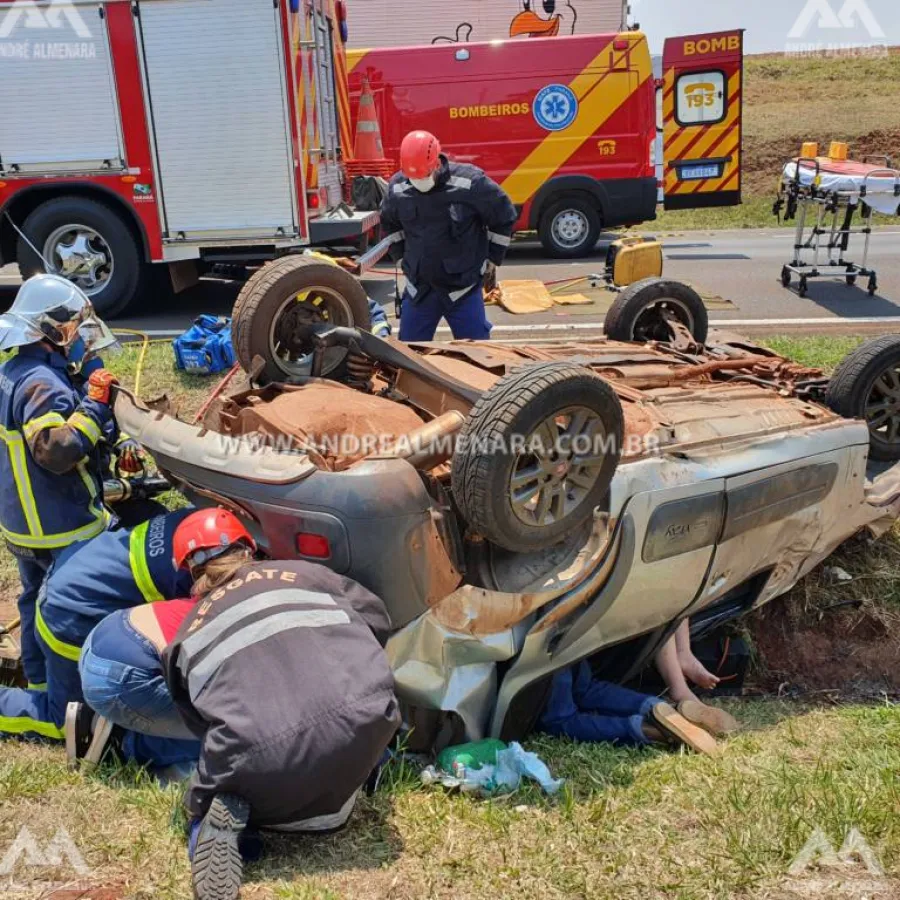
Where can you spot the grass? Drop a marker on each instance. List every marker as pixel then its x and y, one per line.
pixel 791 100
pixel 628 824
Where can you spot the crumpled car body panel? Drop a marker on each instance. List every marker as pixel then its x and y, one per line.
pixel 726 482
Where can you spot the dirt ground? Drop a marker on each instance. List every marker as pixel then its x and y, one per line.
pixel 848 652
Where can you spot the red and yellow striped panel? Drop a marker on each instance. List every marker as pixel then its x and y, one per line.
pixel 702 141
pixel 602 89
pixel 297 57
pixel 341 78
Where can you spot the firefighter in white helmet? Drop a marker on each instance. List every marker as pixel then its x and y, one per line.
pixel 51 429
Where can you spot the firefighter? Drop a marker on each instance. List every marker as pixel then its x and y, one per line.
pixel 117 569
pixel 452 226
pixel 50 461
pixel 278 667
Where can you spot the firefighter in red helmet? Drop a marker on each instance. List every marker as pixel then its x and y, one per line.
pixel 451 225
pixel 255 667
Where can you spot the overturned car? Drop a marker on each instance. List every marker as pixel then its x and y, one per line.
pixel 520 508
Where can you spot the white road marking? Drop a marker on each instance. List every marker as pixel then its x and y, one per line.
pixel 555 328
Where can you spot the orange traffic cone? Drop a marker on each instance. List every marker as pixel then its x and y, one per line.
pixel 368 144
pixel 368 151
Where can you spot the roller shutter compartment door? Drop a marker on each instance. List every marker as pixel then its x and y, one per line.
pixel 216 84
pixel 58 109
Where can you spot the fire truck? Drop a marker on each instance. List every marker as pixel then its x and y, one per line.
pixel 181 133
pixel 568 125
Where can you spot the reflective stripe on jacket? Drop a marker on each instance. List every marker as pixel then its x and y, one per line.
pixel 283 673
pixel 446 235
pixel 50 463
pixel 116 570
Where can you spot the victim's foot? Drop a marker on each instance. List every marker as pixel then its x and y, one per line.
pixel 696 673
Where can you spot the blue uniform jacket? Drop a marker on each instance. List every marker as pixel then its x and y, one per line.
pixel 50 464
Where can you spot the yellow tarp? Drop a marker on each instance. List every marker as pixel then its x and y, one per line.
pixel 524 297
pixel 571 299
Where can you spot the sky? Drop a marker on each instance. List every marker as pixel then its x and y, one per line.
pixel 774 25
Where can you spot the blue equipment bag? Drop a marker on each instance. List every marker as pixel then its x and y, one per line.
pixel 205 348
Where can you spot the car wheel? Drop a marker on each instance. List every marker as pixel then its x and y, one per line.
pixel 640 312
pixel 570 227
pixel 88 243
pixel 866 385
pixel 282 305
pixel 537 455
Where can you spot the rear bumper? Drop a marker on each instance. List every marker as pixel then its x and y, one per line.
pixel 380 521
pixel 341 224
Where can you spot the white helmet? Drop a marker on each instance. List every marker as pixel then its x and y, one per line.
pixel 48 307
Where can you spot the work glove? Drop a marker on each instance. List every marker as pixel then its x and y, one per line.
pixel 130 457
pixel 99 385
pixel 490 277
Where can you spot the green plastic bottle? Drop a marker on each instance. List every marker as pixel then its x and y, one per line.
pixel 457 760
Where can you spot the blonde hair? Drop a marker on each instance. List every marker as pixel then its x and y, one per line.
pixel 221 569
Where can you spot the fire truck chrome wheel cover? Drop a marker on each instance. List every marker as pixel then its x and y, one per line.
pixel 651 324
pixel 290 336
pixel 82 255
pixel 562 460
pixel 570 228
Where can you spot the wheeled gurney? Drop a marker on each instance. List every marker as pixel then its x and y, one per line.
pixel 824 194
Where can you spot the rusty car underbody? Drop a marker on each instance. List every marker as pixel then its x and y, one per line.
pixel 734 481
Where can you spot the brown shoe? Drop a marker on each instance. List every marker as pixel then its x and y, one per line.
pixel 673 723
pixel 714 720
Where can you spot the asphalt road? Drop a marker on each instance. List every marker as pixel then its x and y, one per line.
pixel 742 267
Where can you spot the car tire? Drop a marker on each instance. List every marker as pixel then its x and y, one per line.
pixel 872 371
pixel 258 329
pixel 570 228
pixel 107 234
pixel 632 318
pixel 487 467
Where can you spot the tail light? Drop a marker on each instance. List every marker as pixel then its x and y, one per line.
pixel 315 546
pixel 313 200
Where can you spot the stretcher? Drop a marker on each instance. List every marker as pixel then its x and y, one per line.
pixel 824 196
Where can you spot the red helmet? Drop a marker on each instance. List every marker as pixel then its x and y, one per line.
pixel 420 154
pixel 208 529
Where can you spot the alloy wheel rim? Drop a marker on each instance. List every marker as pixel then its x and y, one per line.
pixel 558 466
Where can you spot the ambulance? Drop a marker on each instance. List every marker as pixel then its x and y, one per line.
pixel 151 135
pixel 568 125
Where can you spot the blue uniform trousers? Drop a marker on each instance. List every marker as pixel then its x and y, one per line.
pixel 41 714
pixel 466 317
pixel 31 573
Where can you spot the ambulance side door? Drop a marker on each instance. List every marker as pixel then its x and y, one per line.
pixel 702 120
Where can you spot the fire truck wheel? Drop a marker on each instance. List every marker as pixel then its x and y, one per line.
pixel 570 227
pixel 537 454
pixel 642 312
pixel 88 243
pixel 281 305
